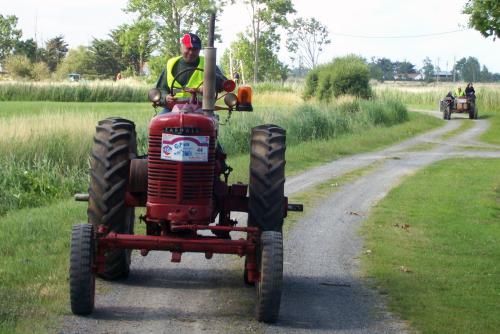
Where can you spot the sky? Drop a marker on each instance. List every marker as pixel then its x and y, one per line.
pixel 80 21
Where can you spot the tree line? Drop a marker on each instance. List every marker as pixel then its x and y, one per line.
pixel 465 69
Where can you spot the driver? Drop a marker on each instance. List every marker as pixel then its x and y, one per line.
pixel 190 58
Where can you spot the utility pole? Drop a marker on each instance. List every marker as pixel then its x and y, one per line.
pixel 454 68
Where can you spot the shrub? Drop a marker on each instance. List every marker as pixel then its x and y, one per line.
pixel 40 71
pixel 18 66
pixel 345 75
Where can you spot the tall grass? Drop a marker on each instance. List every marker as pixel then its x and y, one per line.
pixel 44 154
pixel 487 96
pixel 73 92
pixel 107 91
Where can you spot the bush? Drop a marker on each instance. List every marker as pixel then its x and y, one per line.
pixel 347 75
pixel 40 71
pixel 18 66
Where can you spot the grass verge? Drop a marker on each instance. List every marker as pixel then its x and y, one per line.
pixel 437 252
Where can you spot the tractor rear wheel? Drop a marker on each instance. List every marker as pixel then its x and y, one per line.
pixel 471 112
pixel 114 146
pixel 81 277
pixel 270 264
pixel 266 206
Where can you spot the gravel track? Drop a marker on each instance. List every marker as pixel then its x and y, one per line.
pixel 322 289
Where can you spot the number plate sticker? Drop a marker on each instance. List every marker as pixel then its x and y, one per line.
pixel 184 148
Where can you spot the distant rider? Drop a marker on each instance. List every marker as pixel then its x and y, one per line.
pixel 469 90
pixel 459 92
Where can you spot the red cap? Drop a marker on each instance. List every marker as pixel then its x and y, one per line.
pixel 191 41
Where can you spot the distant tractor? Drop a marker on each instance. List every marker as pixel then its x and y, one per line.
pixel 461 104
pixel 183 184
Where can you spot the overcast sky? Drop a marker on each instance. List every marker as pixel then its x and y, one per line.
pixel 80 21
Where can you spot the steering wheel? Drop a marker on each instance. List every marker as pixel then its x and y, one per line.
pixel 183 87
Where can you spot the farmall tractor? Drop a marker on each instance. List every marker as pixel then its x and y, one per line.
pixel 459 104
pixel 183 184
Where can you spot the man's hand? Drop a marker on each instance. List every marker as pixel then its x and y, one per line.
pixel 199 90
pixel 170 98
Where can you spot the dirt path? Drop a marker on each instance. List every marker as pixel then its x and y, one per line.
pixel 322 290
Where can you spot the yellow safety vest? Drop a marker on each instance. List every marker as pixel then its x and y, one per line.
pixel 195 80
pixel 461 93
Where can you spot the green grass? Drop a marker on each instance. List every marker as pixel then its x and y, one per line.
pixel 34 244
pixel 492 135
pixel 442 272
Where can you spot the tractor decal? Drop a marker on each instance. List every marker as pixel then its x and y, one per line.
pixel 184 148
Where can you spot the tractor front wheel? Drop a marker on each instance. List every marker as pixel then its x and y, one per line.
pixel 81 277
pixel 270 265
pixel 114 146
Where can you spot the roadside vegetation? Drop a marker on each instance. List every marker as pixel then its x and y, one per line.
pixel 435 253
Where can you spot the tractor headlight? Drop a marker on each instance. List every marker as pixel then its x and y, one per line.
pixel 231 100
pixel 154 95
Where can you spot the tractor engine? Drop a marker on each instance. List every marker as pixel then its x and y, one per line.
pixel 181 169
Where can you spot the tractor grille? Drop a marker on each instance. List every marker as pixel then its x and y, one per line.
pixel 178 181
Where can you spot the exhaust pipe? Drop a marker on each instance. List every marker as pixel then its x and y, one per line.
pixel 208 104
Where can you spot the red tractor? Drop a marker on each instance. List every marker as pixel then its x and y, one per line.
pixel 183 184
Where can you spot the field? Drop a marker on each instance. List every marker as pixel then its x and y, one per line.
pixel 445 279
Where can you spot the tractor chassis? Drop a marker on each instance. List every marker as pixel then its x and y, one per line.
pixel 178 245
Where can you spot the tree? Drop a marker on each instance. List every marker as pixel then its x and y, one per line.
pixel 428 69
pixel 468 69
pixel 270 68
pixel 266 16
pixel 174 17
pixel 484 16
pixel 55 51
pixel 137 42
pixel 403 69
pixel 79 60
pixel 28 48
pixel 387 68
pixel 485 75
pixel 9 35
pixel 306 40
pixel 106 57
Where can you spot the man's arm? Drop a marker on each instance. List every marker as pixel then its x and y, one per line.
pixel 219 79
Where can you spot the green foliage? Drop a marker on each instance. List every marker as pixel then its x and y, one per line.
pixel 54 52
pixel 29 49
pixel 428 70
pixel 270 67
pixel 484 16
pixel 442 225
pixel 78 60
pixel 347 75
pixel 175 18
pixel 468 69
pixel 106 57
pixel 137 42
pixel 306 39
pixel 72 92
pixel 9 35
pixel 266 17
pixel 18 66
pixel 40 71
